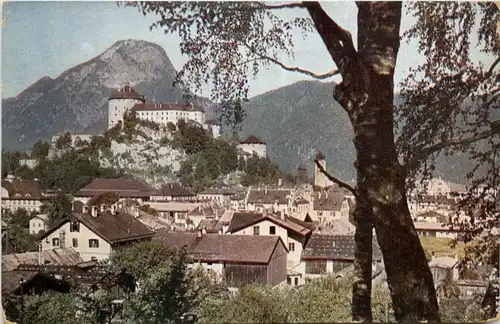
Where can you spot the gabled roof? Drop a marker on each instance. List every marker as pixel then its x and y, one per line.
pixel 211 210
pixel 334 247
pixel 243 220
pixel 24 189
pixel 117 228
pixel 252 139
pixel 225 248
pixel 257 196
pixel 123 187
pixel 328 201
pixel 66 256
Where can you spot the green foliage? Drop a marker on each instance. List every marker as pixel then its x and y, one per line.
pixel 64 141
pixel 260 171
pixel 58 208
pixel 148 209
pixel 10 162
pixel 107 198
pixel 18 230
pixel 40 150
pixel 460 311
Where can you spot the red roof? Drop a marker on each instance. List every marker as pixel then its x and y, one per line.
pixel 166 106
pixel 127 92
pixel 253 140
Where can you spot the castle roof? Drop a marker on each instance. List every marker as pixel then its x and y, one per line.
pixel 252 140
pixel 153 106
pixel 127 92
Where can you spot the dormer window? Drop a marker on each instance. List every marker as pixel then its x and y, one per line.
pixel 74 227
pixel 27 195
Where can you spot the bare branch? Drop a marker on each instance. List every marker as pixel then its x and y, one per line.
pixel 294 68
pixel 341 183
pixel 492 67
pixel 337 40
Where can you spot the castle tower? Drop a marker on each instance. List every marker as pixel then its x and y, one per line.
pixel 320 179
pixel 119 102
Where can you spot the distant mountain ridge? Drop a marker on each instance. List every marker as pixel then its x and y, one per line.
pixel 295 121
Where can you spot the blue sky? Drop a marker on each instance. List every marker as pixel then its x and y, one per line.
pixel 46 38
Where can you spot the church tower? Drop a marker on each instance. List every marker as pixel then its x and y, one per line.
pixel 320 179
pixel 119 102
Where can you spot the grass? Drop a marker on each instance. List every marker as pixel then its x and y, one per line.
pixel 441 246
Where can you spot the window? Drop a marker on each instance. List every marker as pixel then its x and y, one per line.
pixel 74 227
pixel 289 280
pixel 296 281
pixel 272 230
pixel 291 247
pixel 55 241
pixel 75 242
pixel 93 243
pixel 256 230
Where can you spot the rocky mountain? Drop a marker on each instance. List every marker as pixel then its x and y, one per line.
pixel 76 101
pixel 298 120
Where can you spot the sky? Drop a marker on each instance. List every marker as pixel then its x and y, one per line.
pixel 46 38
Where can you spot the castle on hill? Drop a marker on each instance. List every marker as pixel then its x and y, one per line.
pixel 127 99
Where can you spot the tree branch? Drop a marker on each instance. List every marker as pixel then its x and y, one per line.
pixel 337 40
pixel 492 67
pixel 341 183
pixel 294 68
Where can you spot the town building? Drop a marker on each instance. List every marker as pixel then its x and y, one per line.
pixel 39 223
pixel 120 102
pixel 66 256
pixel 425 229
pixel 124 188
pixel 173 192
pixel 328 206
pixel 252 144
pixel 221 195
pixel 30 195
pixel 275 199
pixel 236 260
pixel 96 232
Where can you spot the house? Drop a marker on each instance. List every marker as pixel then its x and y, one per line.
pixel 173 192
pixel 326 254
pixel 174 211
pixel 252 144
pixel 125 188
pixel 237 260
pixel 431 217
pixel 211 226
pixel 441 266
pixel 39 223
pixel 237 202
pixel 95 234
pixel 67 257
pixel 293 232
pixel 261 199
pixel 220 195
pixel 204 211
pixel 435 230
pixel 419 204
pixel 20 283
pixel 30 195
pixel 328 206
pixel 301 206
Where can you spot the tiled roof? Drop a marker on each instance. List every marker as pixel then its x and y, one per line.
pixel 268 196
pixel 219 191
pixel 174 190
pixel 243 220
pixel 56 256
pixel 211 210
pixel 126 92
pixel 334 247
pixel 440 217
pixel 173 206
pixel 328 201
pixel 225 248
pixel 120 227
pixel 123 187
pixel 425 226
pixel 11 279
pixel 430 199
pixel 252 140
pixel 27 189
pixel 153 106
pixel 210 225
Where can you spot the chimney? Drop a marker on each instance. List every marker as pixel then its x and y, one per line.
pixel 94 211
pixel 265 190
pixel 72 206
pixel 85 209
pixel 103 207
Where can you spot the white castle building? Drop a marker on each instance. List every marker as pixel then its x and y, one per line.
pixel 127 99
pixel 253 145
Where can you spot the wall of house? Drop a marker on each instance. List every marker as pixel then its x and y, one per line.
pixel 277 268
pixel 82 236
pixel 239 275
pixel 117 109
pixel 312 269
pixel 165 116
pixel 259 149
pixel 37 225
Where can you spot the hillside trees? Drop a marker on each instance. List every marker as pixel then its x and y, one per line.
pixel 452 107
pixel 224 41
